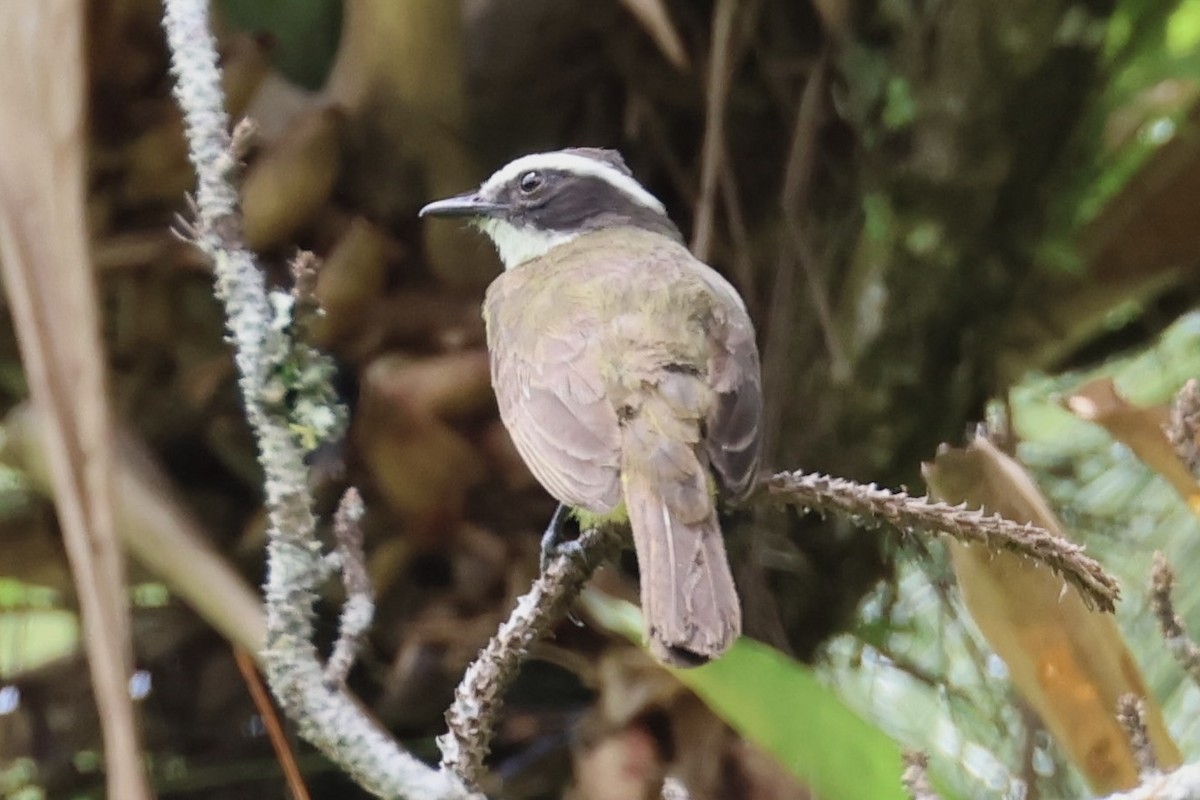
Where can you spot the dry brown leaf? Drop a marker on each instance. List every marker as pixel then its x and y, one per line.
pixel 498 449
pixel 52 296
pixel 1069 662
pixel 625 765
pixel 656 20
pixel 290 184
pixel 400 76
pixel 245 64
pixel 631 736
pixel 419 462
pixel 1140 428
pixel 351 278
pixel 646 724
pixel 1139 247
pixel 631 684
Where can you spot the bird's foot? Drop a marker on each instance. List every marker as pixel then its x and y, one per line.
pixel 555 542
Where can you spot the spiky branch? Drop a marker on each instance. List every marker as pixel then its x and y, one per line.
pixel 871 506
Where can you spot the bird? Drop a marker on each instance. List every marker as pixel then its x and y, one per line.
pixel 627 374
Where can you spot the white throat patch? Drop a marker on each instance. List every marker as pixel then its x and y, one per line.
pixel 516 245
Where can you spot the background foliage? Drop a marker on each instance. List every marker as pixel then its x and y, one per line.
pixel 939 213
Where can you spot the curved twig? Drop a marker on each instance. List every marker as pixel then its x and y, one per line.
pixel 869 504
pixel 471 718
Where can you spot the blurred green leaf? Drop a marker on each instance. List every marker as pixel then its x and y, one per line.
pixel 779 705
pixel 900 107
pixel 304 33
pixel 1183 28
pixel 33 637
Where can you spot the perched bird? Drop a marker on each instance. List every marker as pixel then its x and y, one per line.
pixel 627 375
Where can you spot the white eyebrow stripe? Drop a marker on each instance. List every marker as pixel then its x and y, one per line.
pixel 576 165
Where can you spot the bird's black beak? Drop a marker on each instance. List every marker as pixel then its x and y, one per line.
pixel 463 205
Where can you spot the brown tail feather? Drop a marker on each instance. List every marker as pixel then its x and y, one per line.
pixel 689 600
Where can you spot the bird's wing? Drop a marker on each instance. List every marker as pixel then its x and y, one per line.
pixel 552 400
pixel 734 425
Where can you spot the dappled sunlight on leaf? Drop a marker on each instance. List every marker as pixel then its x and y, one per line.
pixel 1069 662
pixel 1140 428
pixel 781 706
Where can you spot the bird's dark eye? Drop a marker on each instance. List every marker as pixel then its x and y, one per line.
pixel 530 182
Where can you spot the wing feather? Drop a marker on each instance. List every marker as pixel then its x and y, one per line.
pixel 548 373
pixel 553 403
pixel 734 425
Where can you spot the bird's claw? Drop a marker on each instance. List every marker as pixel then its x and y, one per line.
pixel 554 541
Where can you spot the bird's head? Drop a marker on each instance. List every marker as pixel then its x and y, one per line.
pixel 541 201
